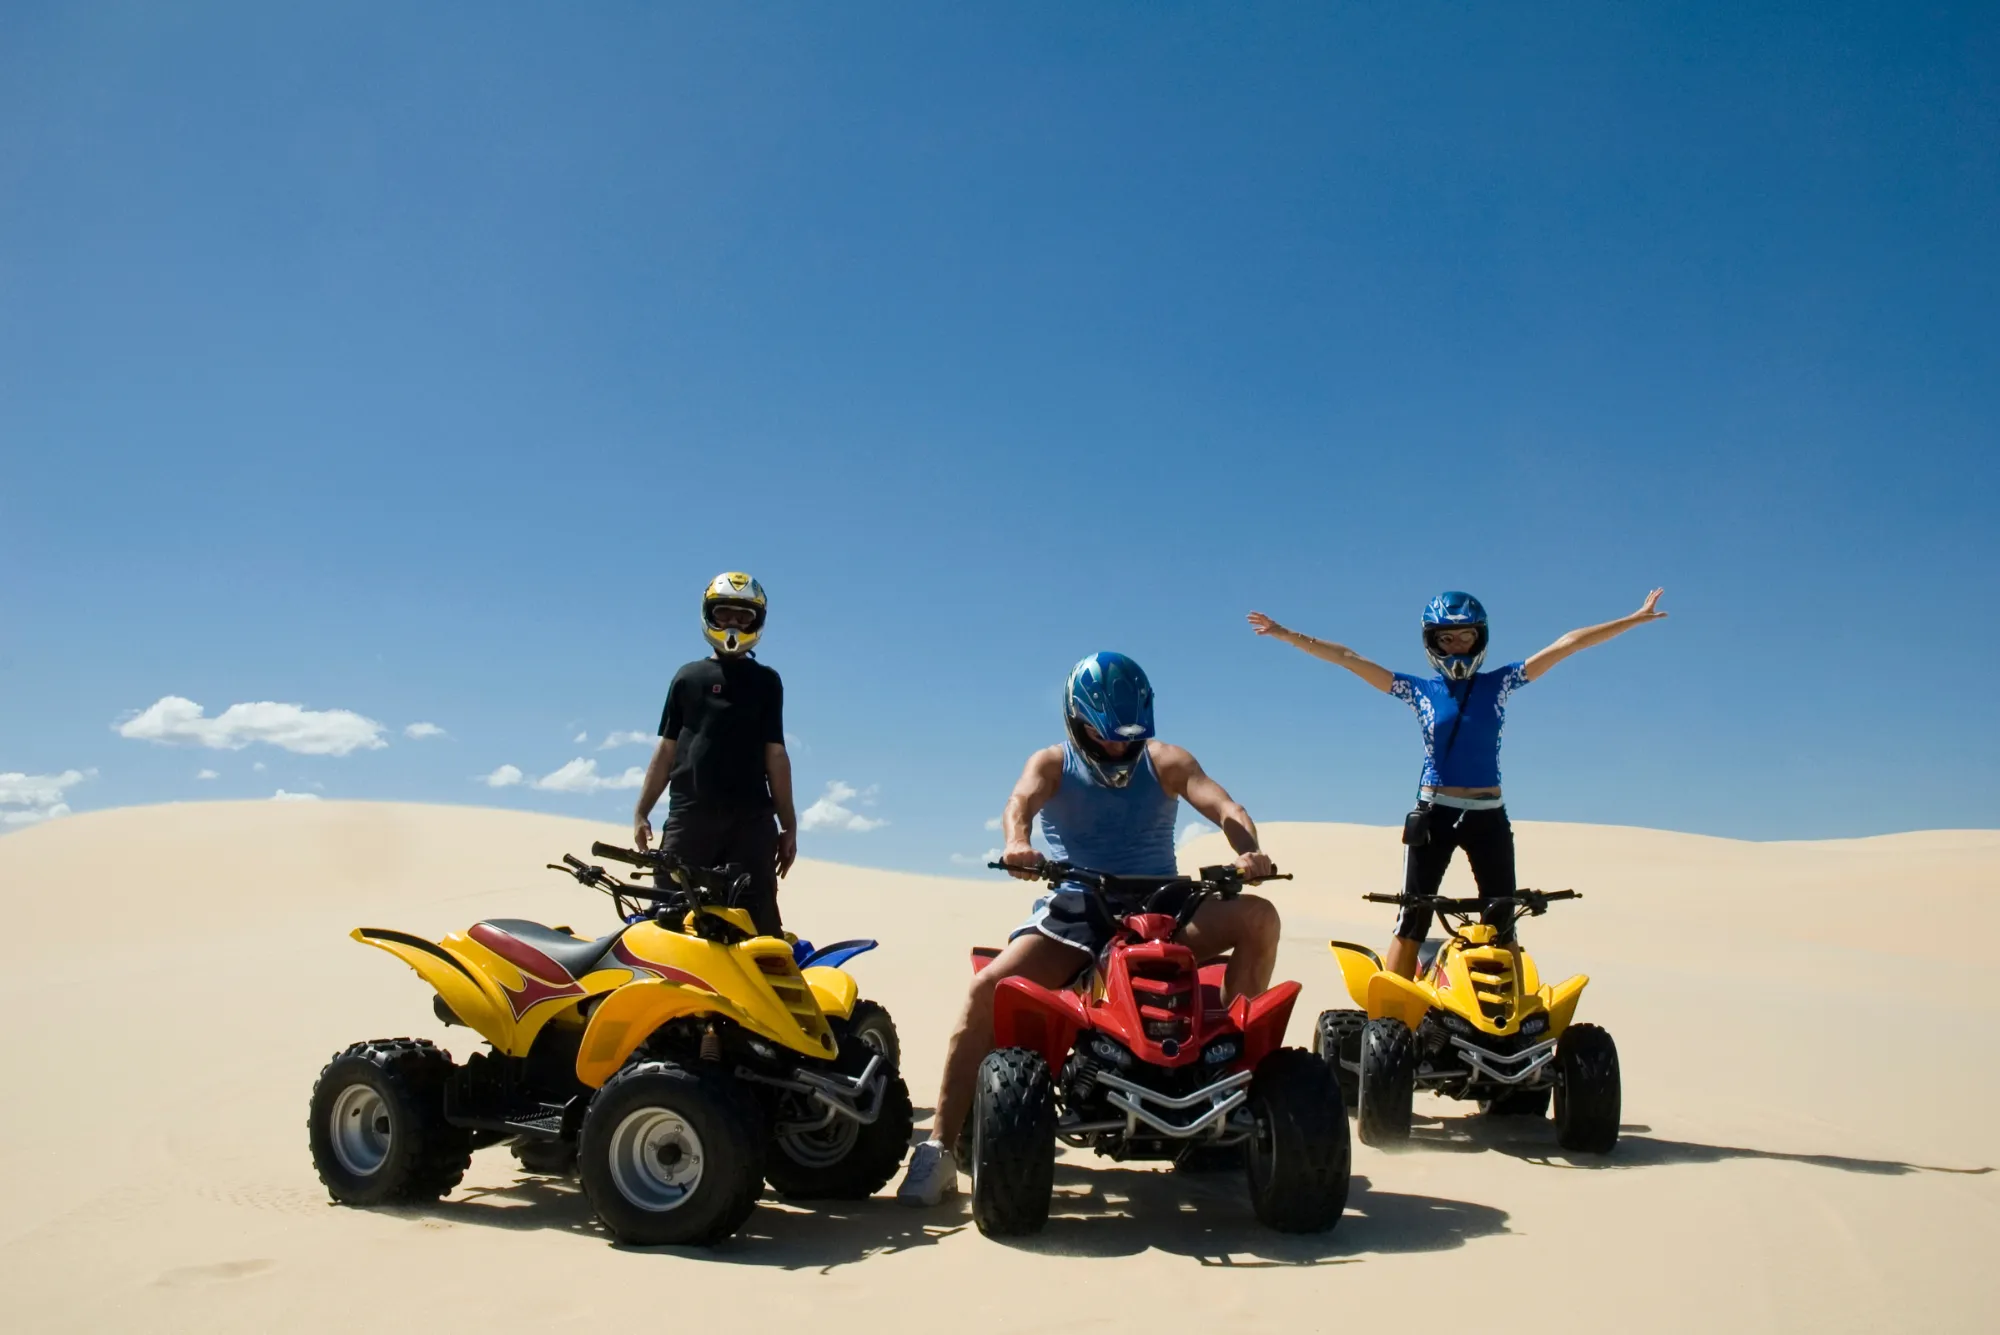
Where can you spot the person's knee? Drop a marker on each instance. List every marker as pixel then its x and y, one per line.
pixel 1260 922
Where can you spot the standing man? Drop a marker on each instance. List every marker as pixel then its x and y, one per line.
pixel 722 755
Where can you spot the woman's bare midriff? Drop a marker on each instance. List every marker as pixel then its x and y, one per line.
pixel 1465 792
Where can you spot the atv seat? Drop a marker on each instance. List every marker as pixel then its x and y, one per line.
pixel 576 957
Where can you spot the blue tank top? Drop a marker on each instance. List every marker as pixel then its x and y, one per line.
pixel 1126 831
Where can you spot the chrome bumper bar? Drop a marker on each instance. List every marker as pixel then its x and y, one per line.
pixel 1515 1069
pixel 858 1099
pixel 1140 1104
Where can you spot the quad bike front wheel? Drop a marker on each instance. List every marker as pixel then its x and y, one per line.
pixel 1299 1159
pixel 1388 1080
pixel 869 1025
pixel 377 1125
pixel 671 1155
pixel 1013 1151
pixel 1589 1098
pixel 840 1159
pixel 1339 1046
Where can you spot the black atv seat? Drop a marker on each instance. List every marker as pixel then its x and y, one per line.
pixel 578 957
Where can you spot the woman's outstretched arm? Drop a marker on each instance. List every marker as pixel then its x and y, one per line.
pixel 1592 635
pixel 1339 654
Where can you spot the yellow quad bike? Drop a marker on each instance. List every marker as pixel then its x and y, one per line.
pixel 1477 1023
pixel 683 1060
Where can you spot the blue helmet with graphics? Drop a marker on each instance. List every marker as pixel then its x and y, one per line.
pixel 1452 610
pixel 1108 694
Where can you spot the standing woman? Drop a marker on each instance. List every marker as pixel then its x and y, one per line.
pixel 1462 711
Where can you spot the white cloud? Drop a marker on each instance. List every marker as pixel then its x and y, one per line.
pixel 257 768
pixel 581 776
pixel 1190 833
pixel 309 732
pixel 39 796
pixel 581 738
pixel 832 813
pixel 504 777
pixel 282 796
pixel 419 731
pixel 618 739
pixel 967 860
pixel 993 824
pixel 37 814
pixel 206 774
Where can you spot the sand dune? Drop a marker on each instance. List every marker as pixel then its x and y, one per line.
pixel 1809 1099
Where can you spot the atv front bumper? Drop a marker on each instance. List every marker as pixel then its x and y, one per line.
pixel 1202 1115
pixel 1516 1070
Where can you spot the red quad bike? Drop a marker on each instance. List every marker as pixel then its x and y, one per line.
pixel 1142 1060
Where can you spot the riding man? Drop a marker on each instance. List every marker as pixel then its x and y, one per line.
pixel 1106 797
pixel 722 755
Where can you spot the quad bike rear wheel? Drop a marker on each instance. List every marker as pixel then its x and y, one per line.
pixel 377 1124
pixel 1013 1151
pixel 1299 1159
pixel 672 1155
pixel 870 1026
pixel 1339 1046
pixel 842 1160
pixel 1388 1079
pixel 1589 1098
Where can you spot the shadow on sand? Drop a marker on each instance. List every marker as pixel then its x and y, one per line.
pixel 1097 1211
pixel 1533 1141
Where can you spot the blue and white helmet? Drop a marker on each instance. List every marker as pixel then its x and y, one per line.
pixel 1111 694
pixel 1452 610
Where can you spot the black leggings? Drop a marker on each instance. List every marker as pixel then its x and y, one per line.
pixel 1488 840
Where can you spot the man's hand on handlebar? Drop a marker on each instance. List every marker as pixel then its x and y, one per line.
pixel 1256 865
pixel 1023 862
pixel 642 833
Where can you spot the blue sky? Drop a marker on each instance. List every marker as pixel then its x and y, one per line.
pixel 424 364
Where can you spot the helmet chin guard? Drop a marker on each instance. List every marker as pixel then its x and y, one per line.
pixel 1453 610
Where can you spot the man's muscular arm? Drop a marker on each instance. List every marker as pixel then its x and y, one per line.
pixel 1032 791
pixel 1182 776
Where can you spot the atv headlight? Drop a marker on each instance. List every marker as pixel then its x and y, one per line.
pixel 1220 1051
pixel 1534 1024
pixel 1105 1050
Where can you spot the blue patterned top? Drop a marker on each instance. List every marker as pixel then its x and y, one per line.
pixel 1473 760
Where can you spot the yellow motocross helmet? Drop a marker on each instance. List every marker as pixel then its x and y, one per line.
pixel 732 613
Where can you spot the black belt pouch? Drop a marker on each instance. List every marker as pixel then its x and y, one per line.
pixel 1417 827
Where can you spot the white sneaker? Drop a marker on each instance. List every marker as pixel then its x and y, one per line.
pixel 933 1176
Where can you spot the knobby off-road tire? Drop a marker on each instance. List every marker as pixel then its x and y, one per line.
pixel 1589 1098
pixel 1013 1151
pixel 538 1154
pixel 672 1155
pixel 845 1161
pixel 377 1124
pixel 1339 1046
pixel 1388 1075
pixel 1518 1103
pixel 1298 1162
pixel 870 1025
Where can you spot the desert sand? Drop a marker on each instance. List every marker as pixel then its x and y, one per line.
pixel 1809 1101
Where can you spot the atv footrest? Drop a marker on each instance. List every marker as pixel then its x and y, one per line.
pixel 546 1124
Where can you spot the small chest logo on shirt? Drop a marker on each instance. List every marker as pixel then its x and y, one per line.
pixel 716 689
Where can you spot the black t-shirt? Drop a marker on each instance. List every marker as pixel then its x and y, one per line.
pixel 720 713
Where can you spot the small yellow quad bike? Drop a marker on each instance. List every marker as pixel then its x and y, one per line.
pixel 1476 1024
pixel 680 1062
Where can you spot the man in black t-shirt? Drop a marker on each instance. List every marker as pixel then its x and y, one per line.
pixel 721 755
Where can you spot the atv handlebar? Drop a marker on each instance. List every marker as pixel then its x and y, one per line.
pixel 1224 881
pixel 1531 902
